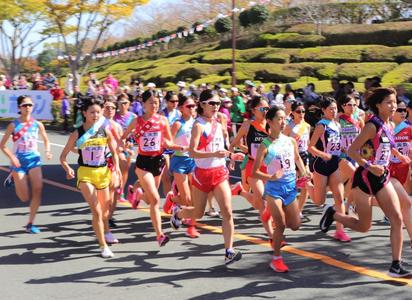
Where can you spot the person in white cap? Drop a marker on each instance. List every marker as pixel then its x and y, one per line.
pixel 151 86
pixel 182 87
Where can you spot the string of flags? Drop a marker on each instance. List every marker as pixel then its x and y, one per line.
pixel 166 39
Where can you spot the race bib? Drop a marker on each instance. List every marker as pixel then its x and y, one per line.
pixel 333 146
pixel 27 144
pixel 150 141
pixel 303 143
pixel 403 148
pixel 383 154
pixel 348 135
pixel 94 155
pixel 253 150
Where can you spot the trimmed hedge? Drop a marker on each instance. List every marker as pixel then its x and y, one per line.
pixel 401 74
pixel 292 40
pixel 354 71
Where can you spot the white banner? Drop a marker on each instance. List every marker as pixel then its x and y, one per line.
pixel 42 104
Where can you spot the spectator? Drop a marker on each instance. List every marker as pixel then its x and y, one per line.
pixel 65 113
pixel 49 80
pixel 309 93
pixel 22 83
pixel 69 85
pixel 336 87
pixel 57 93
pixel 2 85
pixel 238 108
pixel 400 94
pixel 112 82
pixel 274 96
pixel 78 103
pixel 261 90
pixel 225 109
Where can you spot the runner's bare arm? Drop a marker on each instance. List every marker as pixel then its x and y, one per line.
pixel 129 129
pixel 319 130
pixel 298 159
pixel 243 130
pixel 260 154
pixel 67 148
pixel 168 140
pixel 9 130
pixel 45 140
pixel 112 147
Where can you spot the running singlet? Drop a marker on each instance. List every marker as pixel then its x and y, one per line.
pixel 216 144
pixel 403 140
pixel 329 142
pixel 172 116
pixel 27 144
pixel 92 153
pixel 124 120
pixel 350 129
pixel 183 135
pixel 149 136
pixel 378 150
pixel 280 155
pixel 254 138
pixel 301 134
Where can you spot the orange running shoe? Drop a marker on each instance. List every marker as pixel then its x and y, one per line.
pixel 192 232
pixel 167 207
pixel 278 265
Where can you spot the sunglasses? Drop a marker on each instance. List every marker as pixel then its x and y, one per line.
pixel 213 103
pixel 300 111
pixel 110 107
pixel 401 110
pixel 26 105
pixel 350 104
pixel 125 102
pixel 263 109
pixel 190 106
pixel 173 101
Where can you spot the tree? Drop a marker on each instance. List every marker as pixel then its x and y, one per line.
pixel 80 21
pixel 19 20
pixel 244 18
pixel 223 25
pixel 258 14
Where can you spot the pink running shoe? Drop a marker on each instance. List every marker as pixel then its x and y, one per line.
pixel 236 188
pixel 301 182
pixel 167 207
pixel 162 240
pixel 278 265
pixel 192 232
pixel 134 197
pixel 340 235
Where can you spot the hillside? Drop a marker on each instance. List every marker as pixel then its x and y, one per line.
pixel 389 57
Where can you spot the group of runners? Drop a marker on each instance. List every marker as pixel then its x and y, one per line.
pixel 361 157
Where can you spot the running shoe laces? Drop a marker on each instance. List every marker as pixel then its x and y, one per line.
pixel 30 228
pixel 175 222
pixel 278 265
pixel 327 218
pixel 397 270
pixel 110 239
pixel 105 252
pixel 162 240
pixel 8 182
pixel 232 255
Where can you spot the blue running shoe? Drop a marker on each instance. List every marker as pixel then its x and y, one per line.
pixel 30 228
pixel 8 182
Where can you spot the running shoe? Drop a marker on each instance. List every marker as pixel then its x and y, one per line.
pixel 174 189
pixel 192 232
pixel 397 270
pixel 30 228
pixel 167 207
pixel 175 222
pixel 301 182
pixel 131 195
pixel 134 197
pixel 112 223
pixel 110 239
pixel 327 218
pixel 340 235
pixel 8 182
pixel 212 212
pixel 278 265
pixel 386 220
pixel 162 240
pixel 105 252
pixel 232 255
pixel 236 188
pixel 266 215
pixel 122 198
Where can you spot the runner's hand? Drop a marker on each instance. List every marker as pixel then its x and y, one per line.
pixel 405 159
pixel 277 175
pixel 222 153
pixel 15 162
pixel 376 170
pixel 70 174
pixel 326 156
pixel 232 165
pixel 49 155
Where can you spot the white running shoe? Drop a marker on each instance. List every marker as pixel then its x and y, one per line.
pixel 105 252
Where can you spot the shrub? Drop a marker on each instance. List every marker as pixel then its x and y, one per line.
pixel 353 72
pixel 401 74
pixel 223 25
pixel 337 54
pixel 292 40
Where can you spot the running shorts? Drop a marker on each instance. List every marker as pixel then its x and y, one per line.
pixel 99 177
pixel 249 168
pixel 285 191
pixel 326 168
pixel 206 180
pixel 399 171
pixel 27 163
pixel 369 183
pixel 182 164
pixel 151 164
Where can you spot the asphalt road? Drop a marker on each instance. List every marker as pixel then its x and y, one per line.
pixel 62 262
